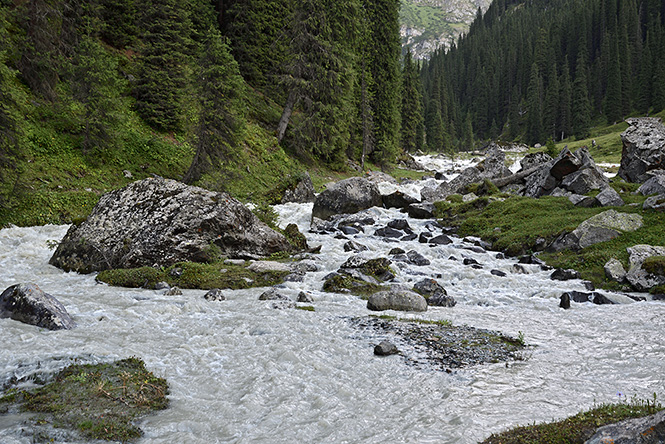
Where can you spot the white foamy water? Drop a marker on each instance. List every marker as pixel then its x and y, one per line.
pixel 243 372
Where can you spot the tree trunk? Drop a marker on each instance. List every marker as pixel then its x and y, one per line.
pixel 503 181
pixel 286 114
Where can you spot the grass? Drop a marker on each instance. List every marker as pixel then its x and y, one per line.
pixel 192 275
pixel 576 429
pixel 100 401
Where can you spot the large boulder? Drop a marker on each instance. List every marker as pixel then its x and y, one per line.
pixel 608 197
pixel 401 300
pixel 655 203
pixel 161 221
pixel 585 180
pixel 302 193
pixel 637 276
pixel 532 160
pixel 346 197
pixel 27 303
pixel 494 165
pixel 599 228
pixel 646 430
pixel 643 149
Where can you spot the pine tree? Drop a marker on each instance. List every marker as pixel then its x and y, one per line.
pixel 535 106
pixel 163 64
pixel 220 92
pixel 565 124
pixel 613 105
pixel 120 22
pixel 412 113
pixel 581 106
pixel 552 103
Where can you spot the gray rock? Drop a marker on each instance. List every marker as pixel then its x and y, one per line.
pixel 305 297
pixel 599 228
pixel 399 224
pixel 643 149
pixel 27 303
pixel 346 197
pixel 655 185
pixel 608 197
pixel 400 300
pixel 584 181
pixel 498 273
pixel 434 293
pixel 302 193
pixel 273 295
pixel 494 165
pixel 388 232
pixel 268 266
pixel 566 163
pixel 534 159
pixel 385 348
pixel 540 183
pixel 564 275
pixel 637 276
pixel 161 221
pixel 354 246
pixel 398 200
pixel 421 210
pixel 416 258
pixel 655 203
pixel 216 294
pixel 173 291
pixel 441 239
pixel 647 430
pixel 162 286
pixel 614 270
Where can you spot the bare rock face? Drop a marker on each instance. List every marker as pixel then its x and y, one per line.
pixel 637 276
pixel 27 303
pixel 346 197
pixel 302 193
pixel 161 221
pixel 643 149
pixel 647 430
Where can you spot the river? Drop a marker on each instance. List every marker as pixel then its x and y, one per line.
pixel 242 372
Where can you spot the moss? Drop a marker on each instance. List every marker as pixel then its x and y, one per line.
pixel 346 284
pixel 101 401
pixel 659 289
pixel 576 429
pixel 305 308
pixel 297 240
pixel 192 275
pixel 655 265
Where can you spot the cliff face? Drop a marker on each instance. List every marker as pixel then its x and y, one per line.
pixel 426 25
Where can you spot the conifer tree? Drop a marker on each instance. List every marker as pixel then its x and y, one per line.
pixel 412 113
pixel 163 64
pixel 120 22
pixel 535 106
pixel 552 103
pixel 220 92
pixel 565 123
pixel 581 106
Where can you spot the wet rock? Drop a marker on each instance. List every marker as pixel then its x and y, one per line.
pixel 593 297
pixel 27 303
pixel 161 221
pixel 655 203
pixel 530 259
pixel 162 286
pixel 396 250
pixel 272 294
pixel 385 348
pixel 388 232
pixel 475 249
pixel 434 293
pixel 400 300
pixel 305 297
pixel 421 210
pixel 614 270
pixel 268 266
pixel 173 291
pixel 441 239
pixel 303 192
pixel 519 269
pixel 398 200
pixel 409 237
pixel 349 230
pixel 214 295
pixel 416 258
pixel 424 237
pixel 643 147
pixel 654 185
pixel 637 276
pixel 399 224
pixel 294 277
pixel 346 197
pixel 354 246
pixel 647 430
pixel 498 273
pixel 564 275
pixel 470 261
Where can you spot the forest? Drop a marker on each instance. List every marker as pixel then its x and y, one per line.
pixel 535 70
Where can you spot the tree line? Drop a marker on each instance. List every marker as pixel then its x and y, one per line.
pixel 533 70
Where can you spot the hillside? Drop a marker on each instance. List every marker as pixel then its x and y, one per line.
pixel 426 25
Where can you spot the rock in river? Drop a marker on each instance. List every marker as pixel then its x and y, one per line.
pixel 401 300
pixel 161 221
pixel 27 303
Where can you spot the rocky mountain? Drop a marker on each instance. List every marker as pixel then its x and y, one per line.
pixel 426 25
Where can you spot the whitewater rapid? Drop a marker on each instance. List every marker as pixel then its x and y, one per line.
pixel 242 372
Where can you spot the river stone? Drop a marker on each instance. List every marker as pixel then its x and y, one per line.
pixel 643 149
pixel 398 200
pixel 268 266
pixel 421 210
pixel 608 197
pixel 162 221
pixel 385 348
pixel 614 270
pixel 416 258
pixel 655 203
pixel 216 294
pixel 302 193
pixel 305 297
pixel 434 293
pixel 401 300
pixel 354 246
pixel 646 430
pixel 637 276
pixel 655 185
pixel 273 295
pixel 346 197
pixel 27 303
pixel 388 232
pixel 564 275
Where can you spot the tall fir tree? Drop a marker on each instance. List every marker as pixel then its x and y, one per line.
pixel 581 106
pixel 412 112
pixel 535 106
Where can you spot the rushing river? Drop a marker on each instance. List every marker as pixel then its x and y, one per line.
pixel 243 372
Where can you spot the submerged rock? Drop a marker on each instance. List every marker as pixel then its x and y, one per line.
pixel 27 303
pixel 161 221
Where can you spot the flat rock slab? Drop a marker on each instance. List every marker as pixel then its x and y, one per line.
pixel 27 303
pixel 647 430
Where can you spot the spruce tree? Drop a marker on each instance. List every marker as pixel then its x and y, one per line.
pixel 120 22
pixel 565 123
pixel 163 64
pixel 220 93
pixel 581 106
pixel 552 103
pixel 412 113
pixel 535 106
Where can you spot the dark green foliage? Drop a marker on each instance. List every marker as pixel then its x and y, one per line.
pixel 220 92
pixel 412 108
pixel 163 64
pixel 592 59
pixel 120 22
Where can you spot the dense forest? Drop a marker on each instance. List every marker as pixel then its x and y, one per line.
pixel 546 69
pixel 198 82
